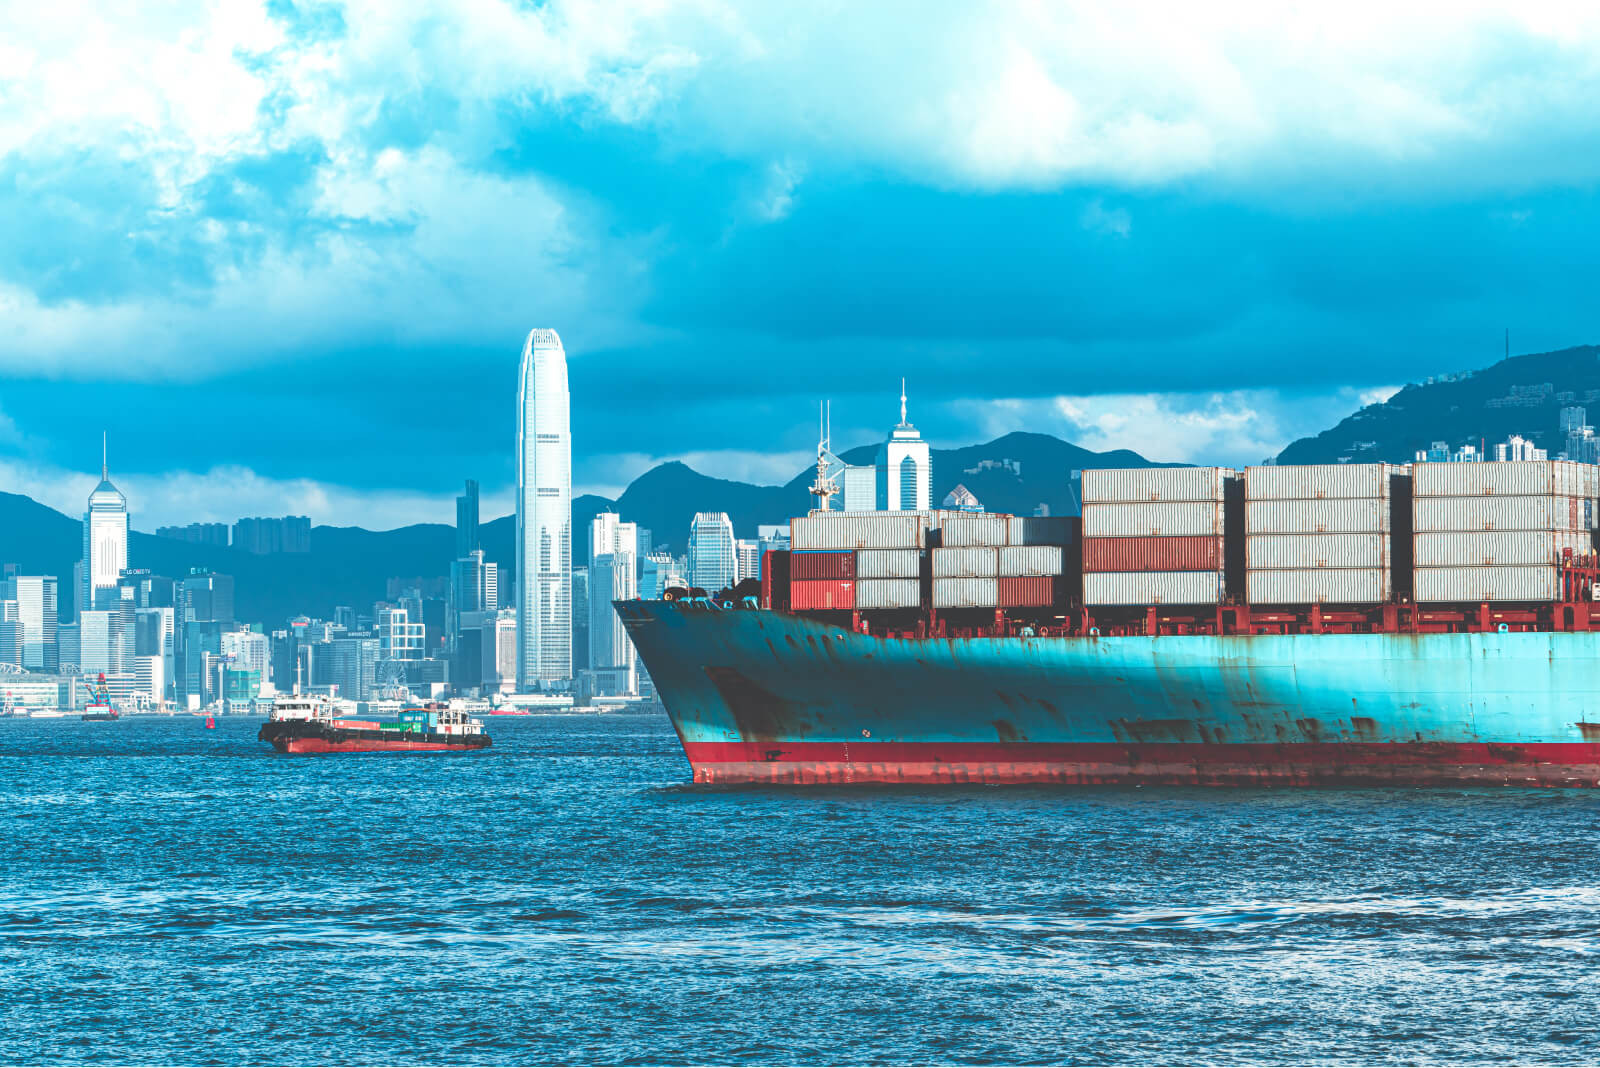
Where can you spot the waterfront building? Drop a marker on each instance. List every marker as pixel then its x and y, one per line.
pixel 30 610
pixel 613 576
pixel 713 555
pixel 580 619
pixel 905 472
pixel 400 636
pixel 544 516
pixel 105 541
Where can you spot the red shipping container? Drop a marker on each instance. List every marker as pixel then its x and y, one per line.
pixel 1152 554
pixel 1030 591
pixel 822 565
pixel 815 595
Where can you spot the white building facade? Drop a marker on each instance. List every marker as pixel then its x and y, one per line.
pixel 544 516
pixel 105 542
pixel 613 576
pixel 905 470
pixel 713 553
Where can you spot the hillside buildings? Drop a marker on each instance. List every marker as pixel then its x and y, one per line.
pixel 544 516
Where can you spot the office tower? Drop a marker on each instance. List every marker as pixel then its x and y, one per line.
pixel 749 553
pixel 713 557
pixel 771 538
pixel 613 576
pixel 467 520
pixel 860 488
pixel 544 516
pixel 399 637
pixel 661 573
pixel 905 474
pixel 35 597
pixel 474 589
pixel 105 540
pixel 580 619
pixel 349 665
pixel 204 611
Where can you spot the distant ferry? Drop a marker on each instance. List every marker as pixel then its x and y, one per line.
pixel 313 724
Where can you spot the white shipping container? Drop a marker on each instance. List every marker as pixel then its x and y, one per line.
pixel 1318 481
pixel 1110 485
pixel 974 529
pixel 1327 585
pixel 1484 548
pixel 966 592
pixel 1307 551
pixel 1152 587
pixel 1350 515
pixel 1473 584
pixel 888 563
pixel 1497 513
pixel 1026 560
pixel 1181 519
pixel 965 563
pixel 1039 530
pixel 858 530
pixel 1515 478
pixel 888 593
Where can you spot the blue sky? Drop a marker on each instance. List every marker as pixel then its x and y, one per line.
pixel 286 253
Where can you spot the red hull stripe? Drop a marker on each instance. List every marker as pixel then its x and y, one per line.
pixel 319 745
pixel 1306 764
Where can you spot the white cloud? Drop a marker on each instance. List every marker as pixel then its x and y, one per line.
pixel 1232 428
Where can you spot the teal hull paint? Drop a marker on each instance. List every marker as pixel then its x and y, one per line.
pixel 829 684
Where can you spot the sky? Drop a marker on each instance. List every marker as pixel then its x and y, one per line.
pixel 285 254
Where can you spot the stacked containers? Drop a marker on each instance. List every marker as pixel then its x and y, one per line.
pixel 848 560
pixel 989 560
pixel 1498 531
pixel 1154 535
pixel 1319 534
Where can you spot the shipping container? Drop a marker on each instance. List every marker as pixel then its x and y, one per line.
pixel 1348 515
pixel 966 593
pixel 1309 551
pixel 1497 513
pixel 820 565
pixel 1028 591
pixel 1183 519
pixel 1113 485
pixel 1131 589
pixel 1153 554
pixel 814 595
pixel 1041 530
pixel 1318 481
pixel 973 529
pixel 1483 548
pixel 356 724
pixel 1328 585
pixel 1467 585
pixel 965 563
pixel 1508 478
pixel 888 593
pixel 1028 560
pixel 858 530
pixel 888 563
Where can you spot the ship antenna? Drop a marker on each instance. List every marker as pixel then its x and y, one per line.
pixel 824 488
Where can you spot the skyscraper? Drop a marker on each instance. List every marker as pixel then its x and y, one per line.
pixel 544 515
pixel 467 520
pixel 905 475
pixel 105 540
pixel 613 576
pixel 713 556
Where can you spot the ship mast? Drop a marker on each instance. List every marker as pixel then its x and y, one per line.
pixel 824 488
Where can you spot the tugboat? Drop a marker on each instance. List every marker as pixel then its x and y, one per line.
pixel 100 708
pixel 301 724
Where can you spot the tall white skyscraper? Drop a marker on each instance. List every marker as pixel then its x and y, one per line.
pixel 544 515
pixel 105 540
pixel 713 556
pixel 905 470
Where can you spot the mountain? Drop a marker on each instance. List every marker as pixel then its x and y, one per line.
pixel 1519 395
pixel 351 566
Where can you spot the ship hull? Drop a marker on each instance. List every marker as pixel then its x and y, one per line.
pixel 299 736
pixel 767 697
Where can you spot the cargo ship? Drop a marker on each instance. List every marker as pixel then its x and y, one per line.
pixel 1317 626
pixel 301 724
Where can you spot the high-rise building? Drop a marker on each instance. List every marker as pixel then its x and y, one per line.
pixel 713 557
pixel 661 572
pixel 33 617
pixel 580 619
pixel 613 576
pixel 774 537
pixel 215 534
pixel 749 553
pixel 467 520
pixel 544 516
pixel 105 541
pixel 860 488
pixel 905 471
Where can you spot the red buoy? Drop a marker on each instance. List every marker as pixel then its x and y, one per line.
pixel 211 722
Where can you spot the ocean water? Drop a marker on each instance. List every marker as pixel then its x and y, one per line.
pixel 172 894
